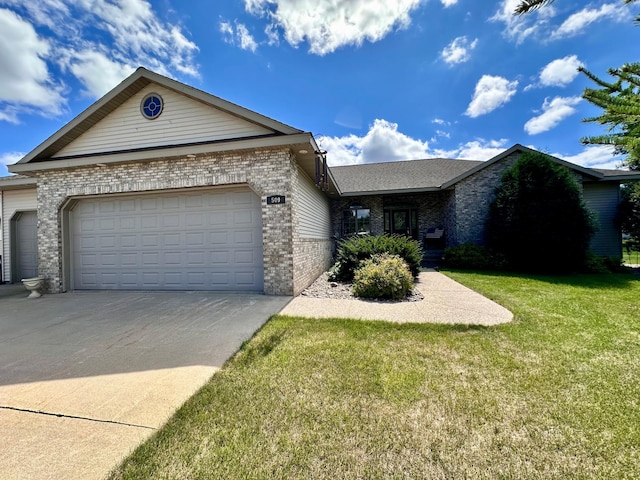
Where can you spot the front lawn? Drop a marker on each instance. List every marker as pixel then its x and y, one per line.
pixel 556 394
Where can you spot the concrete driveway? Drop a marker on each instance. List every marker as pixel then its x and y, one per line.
pixel 85 377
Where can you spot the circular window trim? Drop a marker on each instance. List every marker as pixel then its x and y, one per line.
pixel 151 114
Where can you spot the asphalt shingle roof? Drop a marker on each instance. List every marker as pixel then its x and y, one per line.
pixel 415 175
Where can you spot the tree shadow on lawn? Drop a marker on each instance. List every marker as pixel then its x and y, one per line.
pixel 598 281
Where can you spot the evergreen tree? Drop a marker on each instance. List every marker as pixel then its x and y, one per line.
pixel 620 102
pixel 538 219
pixel 630 211
pixel 526 6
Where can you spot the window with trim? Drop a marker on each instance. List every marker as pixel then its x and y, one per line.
pixel 356 220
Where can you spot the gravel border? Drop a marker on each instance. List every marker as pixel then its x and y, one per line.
pixel 323 288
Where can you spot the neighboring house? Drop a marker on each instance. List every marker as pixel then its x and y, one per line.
pixel 160 186
pixel 414 196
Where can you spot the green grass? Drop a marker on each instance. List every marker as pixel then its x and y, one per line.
pixel 630 257
pixel 556 394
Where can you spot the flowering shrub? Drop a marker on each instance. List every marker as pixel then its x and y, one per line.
pixel 383 276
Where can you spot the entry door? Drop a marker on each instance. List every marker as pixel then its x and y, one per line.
pixel 26 246
pixel 401 221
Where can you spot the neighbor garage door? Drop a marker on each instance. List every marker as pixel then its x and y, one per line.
pixel 203 240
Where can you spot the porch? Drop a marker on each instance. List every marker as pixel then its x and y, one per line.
pixel 427 217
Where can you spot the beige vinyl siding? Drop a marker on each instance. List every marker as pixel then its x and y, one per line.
pixel 314 219
pixel 603 199
pixel 13 201
pixel 183 120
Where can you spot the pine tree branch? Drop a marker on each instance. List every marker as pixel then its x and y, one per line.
pixel 526 6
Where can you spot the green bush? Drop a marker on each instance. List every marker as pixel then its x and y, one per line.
pixel 538 218
pixel 353 250
pixel 383 276
pixel 599 264
pixel 473 257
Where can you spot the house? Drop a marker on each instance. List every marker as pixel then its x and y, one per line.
pixel 412 196
pixel 160 186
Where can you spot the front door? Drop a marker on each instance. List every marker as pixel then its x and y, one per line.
pixel 401 222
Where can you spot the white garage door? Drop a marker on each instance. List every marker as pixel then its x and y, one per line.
pixel 26 245
pixel 204 240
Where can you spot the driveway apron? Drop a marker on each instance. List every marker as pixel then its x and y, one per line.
pixel 86 376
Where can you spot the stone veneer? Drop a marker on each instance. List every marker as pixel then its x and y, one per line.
pixel 265 171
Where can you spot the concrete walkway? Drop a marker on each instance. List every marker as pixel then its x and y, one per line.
pixel 86 376
pixel 445 301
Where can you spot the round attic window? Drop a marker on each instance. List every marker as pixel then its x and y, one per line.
pixel 151 106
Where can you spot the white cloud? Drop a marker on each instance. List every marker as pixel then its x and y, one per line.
pixel 594 156
pixel 577 22
pixel 246 40
pixel 9 158
pixel 519 28
pixel 553 112
pixel 480 149
pixel 227 30
pixel 458 51
pixel 490 93
pixel 26 81
pixel 97 72
pixel 327 26
pixel 239 36
pixel 539 25
pixel 439 121
pixel 137 37
pixel 560 72
pixel 448 3
pixel 384 143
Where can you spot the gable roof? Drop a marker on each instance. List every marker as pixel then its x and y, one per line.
pixel 17 182
pixel 441 173
pixel 399 177
pixel 127 88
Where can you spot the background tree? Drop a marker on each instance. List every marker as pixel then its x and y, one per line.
pixel 538 219
pixel 629 211
pixel 620 102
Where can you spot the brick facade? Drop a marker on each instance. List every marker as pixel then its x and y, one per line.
pixel 473 195
pixel 266 172
pixel 431 209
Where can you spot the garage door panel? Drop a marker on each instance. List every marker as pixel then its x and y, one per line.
pixel 127 223
pixel 107 207
pixel 171 239
pixel 174 241
pixel 129 241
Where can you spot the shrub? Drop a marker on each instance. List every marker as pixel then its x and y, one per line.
pixel 599 264
pixel 353 250
pixel 383 276
pixel 473 257
pixel 538 218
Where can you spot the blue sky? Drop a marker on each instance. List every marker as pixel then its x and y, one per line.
pixel 373 80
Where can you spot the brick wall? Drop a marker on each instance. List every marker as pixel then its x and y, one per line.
pixel 266 171
pixel 472 198
pixel 430 207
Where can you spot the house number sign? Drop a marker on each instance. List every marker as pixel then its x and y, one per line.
pixel 275 199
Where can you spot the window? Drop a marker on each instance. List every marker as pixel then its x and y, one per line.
pixel 151 106
pixel 357 220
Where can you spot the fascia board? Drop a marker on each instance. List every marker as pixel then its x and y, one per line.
pixel 155 154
